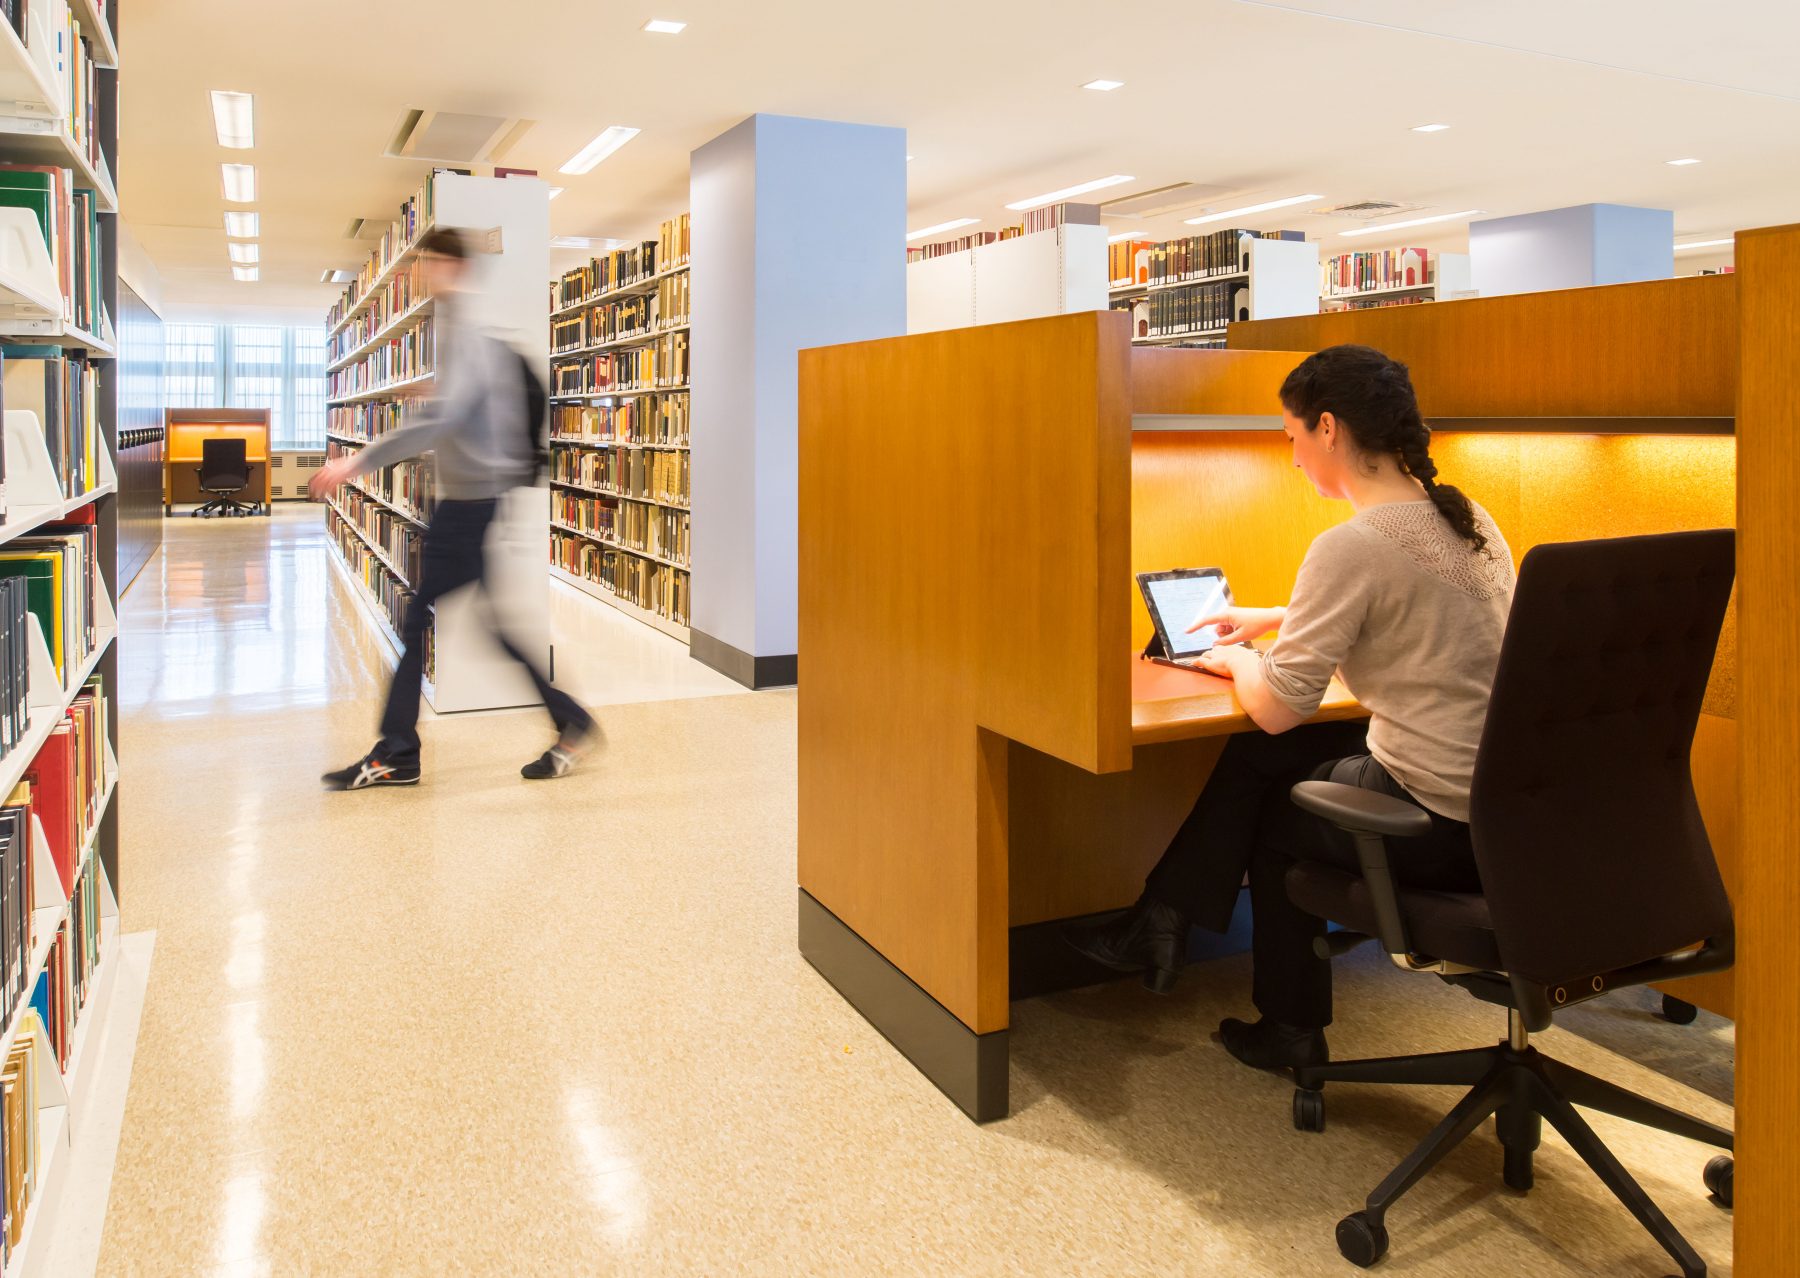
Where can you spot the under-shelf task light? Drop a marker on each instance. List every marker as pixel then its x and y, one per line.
pixel 232 120
pixel 597 150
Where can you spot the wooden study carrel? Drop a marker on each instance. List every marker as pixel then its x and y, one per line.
pixel 187 429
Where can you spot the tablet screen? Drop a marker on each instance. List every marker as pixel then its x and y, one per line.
pixel 1181 601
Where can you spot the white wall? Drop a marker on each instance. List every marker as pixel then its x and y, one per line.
pixel 799 232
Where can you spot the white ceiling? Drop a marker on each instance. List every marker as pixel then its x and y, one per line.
pixel 1551 104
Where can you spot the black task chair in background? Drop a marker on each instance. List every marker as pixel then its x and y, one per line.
pixel 1595 867
pixel 224 473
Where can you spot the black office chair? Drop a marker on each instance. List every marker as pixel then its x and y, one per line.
pixel 1595 867
pixel 223 472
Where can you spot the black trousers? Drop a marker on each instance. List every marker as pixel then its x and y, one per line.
pixel 1245 822
pixel 453 557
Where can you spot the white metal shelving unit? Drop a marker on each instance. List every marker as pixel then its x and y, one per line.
pixel 1450 278
pixel 34 130
pixel 1277 278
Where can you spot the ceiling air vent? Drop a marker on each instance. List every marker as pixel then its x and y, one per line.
pixel 1367 210
pixel 453 137
pixel 1173 198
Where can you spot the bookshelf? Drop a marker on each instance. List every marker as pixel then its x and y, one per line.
pixel 378 363
pixel 59 92
pixel 620 501
pixel 1185 292
pixel 1054 269
pixel 1393 277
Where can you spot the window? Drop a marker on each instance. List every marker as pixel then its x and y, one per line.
pixel 253 366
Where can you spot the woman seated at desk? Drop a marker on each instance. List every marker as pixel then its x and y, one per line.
pixel 1408 602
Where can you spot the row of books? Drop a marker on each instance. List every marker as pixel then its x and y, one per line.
pixel 627 525
pixel 62 789
pixel 663 363
pixel 22 1152
pixel 655 587
pixel 68 217
pixel 404 290
pixel 621 268
pixel 416 216
pixel 1048 217
pixel 630 317
pixel 390 596
pixel 398 539
pixel 1192 308
pixel 398 359
pixel 644 419
pixel 1198 257
pixel 961 244
pixel 410 485
pixel 1353 303
pixel 68 974
pixel 15 661
pixel 63 49
pixel 63 389
pixel 642 473
pixel 1382 268
pixel 365 421
pixel 61 569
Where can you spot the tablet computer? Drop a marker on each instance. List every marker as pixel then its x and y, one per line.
pixel 1178 598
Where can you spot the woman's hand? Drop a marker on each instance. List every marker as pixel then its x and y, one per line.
pixel 1225 660
pixel 1241 625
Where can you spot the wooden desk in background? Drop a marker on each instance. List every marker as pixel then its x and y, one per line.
pixel 187 429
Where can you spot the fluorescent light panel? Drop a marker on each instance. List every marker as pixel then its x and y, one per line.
pixel 1429 128
pixel 597 150
pixel 232 120
pixel 1104 86
pixel 663 26
pixel 556 191
pixel 239 182
pixel 241 226
pixel 1679 163
pixel 1702 244
pixel 1252 208
pixel 245 274
pixel 1412 221
pixel 242 254
pixel 1124 235
pixel 1079 189
pixel 951 225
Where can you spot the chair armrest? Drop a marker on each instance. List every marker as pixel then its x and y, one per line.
pixel 1367 816
pixel 1363 811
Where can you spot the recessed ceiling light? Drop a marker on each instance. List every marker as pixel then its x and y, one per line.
pixel 1252 208
pixel 1412 221
pixel 951 225
pixel 662 26
pixel 1429 128
pixel 239 181
pixel 1104 86
pixel 909 159
pixel 232 119
pixel 242 254
pixel 1702 244
pixel 241 226
pixel 585 242
pixel 1124 235
pixel 1080 189
pixel 597 150
pixel 245 274
pixel 1679 163
pixel 556 191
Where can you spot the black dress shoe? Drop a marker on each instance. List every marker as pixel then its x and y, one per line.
pixel 1149 937
pixel 1271 1045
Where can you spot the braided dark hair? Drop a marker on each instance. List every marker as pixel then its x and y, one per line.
pixel 1372 397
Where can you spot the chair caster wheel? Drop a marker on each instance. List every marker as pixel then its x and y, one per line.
pixel 1309 1110
pixel 1518 1173
pixel 1678 1011
pixel 1361 1240
pixel 1718 1178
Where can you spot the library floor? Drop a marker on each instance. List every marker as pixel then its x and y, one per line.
pixel 487 1027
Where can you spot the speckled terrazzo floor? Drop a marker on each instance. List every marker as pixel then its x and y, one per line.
pixel 482 1027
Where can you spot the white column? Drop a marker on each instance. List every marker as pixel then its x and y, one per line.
pixel 799 240
pixel 1571 248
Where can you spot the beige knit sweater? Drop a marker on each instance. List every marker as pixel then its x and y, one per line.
pixel 1411 616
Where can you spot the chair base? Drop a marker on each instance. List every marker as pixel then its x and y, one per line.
pixel 224 506
pixel 1518 1087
